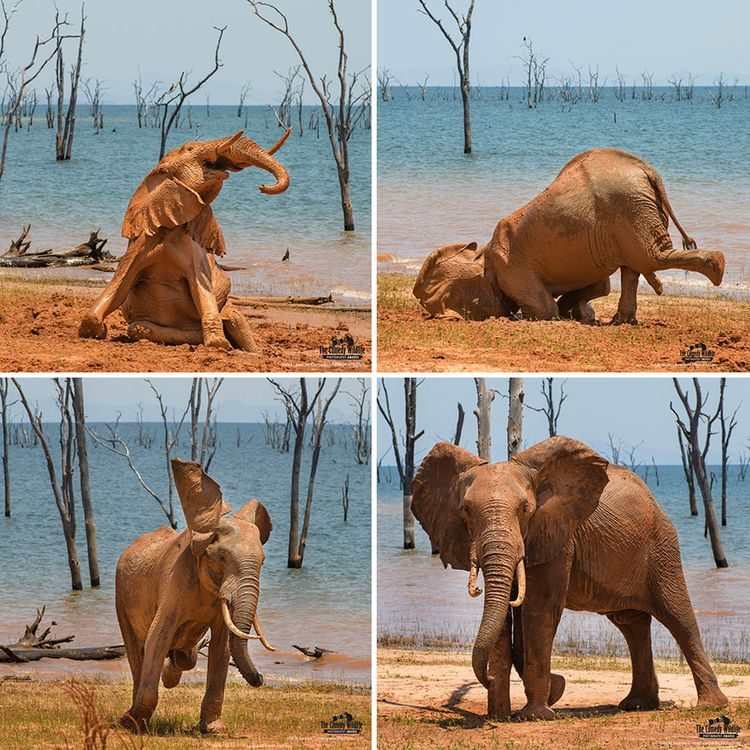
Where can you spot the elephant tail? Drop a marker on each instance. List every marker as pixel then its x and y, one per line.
pixel 661 193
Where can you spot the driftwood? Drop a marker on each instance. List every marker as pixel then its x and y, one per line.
pixel 32 646
pixel 87 253
pixel 314 652
pixel 310 301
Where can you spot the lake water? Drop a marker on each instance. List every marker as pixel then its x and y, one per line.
pixel 430 193
pixel 64 201
pixel 326 603
pixel 420 599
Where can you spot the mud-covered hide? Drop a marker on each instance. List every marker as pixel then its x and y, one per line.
pixel 452 283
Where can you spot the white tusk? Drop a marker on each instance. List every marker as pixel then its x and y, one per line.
pixel 521 575
pixel 231 626
pixel 474 590
pixel 260 635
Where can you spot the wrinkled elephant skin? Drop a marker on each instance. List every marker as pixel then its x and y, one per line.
pixel 606 210
pixel 168 285
pixel 556 527
pixel 172 588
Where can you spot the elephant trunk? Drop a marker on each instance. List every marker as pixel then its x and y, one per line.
pixel 498 567
pixel 243 603
pixel 247 153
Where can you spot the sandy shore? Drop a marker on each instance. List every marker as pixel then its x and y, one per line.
pixel 39 324
pixel 667 325
pixel 432 699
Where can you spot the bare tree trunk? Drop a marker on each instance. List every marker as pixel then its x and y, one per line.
pixel 515 416
pixel 410 408
pixel 83 471
pixel 687 468
pixel 726 436
pixel 4 384
pixel 485 397
pixel 459 425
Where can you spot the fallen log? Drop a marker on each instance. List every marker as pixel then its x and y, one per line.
pixel 87 253
pixel 23 654
pixel 309 301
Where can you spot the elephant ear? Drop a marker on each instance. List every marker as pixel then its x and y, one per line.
pixel 436 501
pixel 160 202
pixel 201 500
pixel 255 512
pixel 568 479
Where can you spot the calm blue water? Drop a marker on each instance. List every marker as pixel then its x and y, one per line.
pixel 430 194
pixel 64 201
pixel 417 597
pixel 326 603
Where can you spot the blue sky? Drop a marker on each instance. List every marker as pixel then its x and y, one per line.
pixel 632 409
pixel 163 37
pixel 238 400
pixel 703 38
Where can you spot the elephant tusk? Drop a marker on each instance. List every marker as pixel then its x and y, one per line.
pixel 261 637
pixel 474 590
pixel 521 575
pixel 280 143
pixel 232 627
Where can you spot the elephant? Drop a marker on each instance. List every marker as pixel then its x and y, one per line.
pixel 606 209
pixel 562 528
pixel 171 588
pixel 168 284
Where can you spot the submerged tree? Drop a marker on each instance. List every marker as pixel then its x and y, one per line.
pixel 361 404
pixel 4 385
pixel 66 120
pixel 460 47
pixel 341 117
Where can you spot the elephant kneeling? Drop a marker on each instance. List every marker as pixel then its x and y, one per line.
pixel 172 588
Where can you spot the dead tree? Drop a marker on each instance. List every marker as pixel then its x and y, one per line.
pixel 361 404
pixel 406 467
pixel 4 405
pixel 142 101
pixel 485 397
pixel 535 72
pixel 552 407
pixel 62 490
pixel 614 448
pixel 694 413
pixel 384 84
pixel 283 113
pixel 18 83
pixel 66 121
pixel 459 424
pixel 302 407
pixel 423 88
pixel 718 96
pixel 345 498
pixel 687 468
pixel 727 428
pixel 170 101
pixel 79 414
pixel 244 91
pixel 460 47
pixel 93 92
pixel 353 103
pixel 203 446
pixel 515 416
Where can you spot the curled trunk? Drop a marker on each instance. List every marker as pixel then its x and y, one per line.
pixel 248 153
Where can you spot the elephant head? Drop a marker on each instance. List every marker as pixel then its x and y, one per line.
pixel 179 190
pixel 228 555
pixel 502 517
pixel 454 283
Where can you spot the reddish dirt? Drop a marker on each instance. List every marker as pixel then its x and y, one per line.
pixel 39 324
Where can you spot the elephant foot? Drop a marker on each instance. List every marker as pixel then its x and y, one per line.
pixel 712 697
pixel 715 267
pixel 215 341
pixel 533 712
pixel 133 724
pixel 498 707
pixel 619 319
pixel 92 328
pixel 212 727
pixel 640 702
pixel 556 688
pixel 238 331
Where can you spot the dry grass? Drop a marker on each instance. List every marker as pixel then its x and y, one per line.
pixel 668 324
pixel 72 714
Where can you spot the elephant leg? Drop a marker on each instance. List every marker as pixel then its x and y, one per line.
pixel 136 258
pixel 500 662
pixel 134 651
pixel 177 663
pixel 237 329
pixel 626 309
pixel 644 690
pixel 710 263
pixel 145 329
pixel 528 291
pixel 154 653
pixel 541 612
pixel 576 305
pixel 218 666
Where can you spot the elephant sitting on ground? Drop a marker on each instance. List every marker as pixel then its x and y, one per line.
pixel 572 531
pixel 168 285
pixel 171 588
pixel 607 209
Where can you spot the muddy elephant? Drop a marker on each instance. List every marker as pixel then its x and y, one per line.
pixel 607 209
pixel 168 284
pixel 171 588
pixel 556 527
